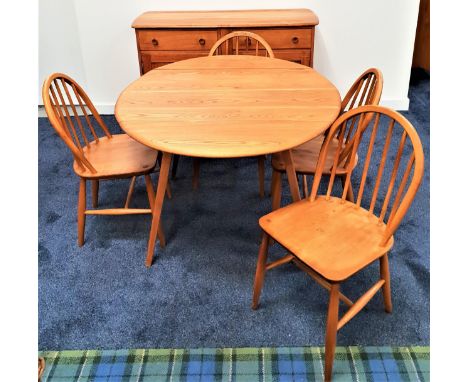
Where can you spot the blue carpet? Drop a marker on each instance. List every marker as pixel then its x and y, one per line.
pixel 198 292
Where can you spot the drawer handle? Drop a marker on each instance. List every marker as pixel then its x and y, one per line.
pixel 154 42
pixel 202 41
pixel 295 40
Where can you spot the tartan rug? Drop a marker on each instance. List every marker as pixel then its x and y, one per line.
pixel 352 363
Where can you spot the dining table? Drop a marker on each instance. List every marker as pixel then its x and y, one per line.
pixel 229 106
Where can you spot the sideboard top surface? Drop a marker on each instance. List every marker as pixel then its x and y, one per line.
pixel 227 19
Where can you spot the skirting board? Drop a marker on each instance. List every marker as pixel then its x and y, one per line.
pixel 108 108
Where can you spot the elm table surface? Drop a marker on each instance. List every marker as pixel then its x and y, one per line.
pixel 226 107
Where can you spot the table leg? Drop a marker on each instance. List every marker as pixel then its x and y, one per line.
pixel 292 177
pixel 157 205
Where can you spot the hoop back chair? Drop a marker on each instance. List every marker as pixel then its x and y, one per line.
pixel 332 238
pixel 240 42
pixel 366 90
pixel 95 158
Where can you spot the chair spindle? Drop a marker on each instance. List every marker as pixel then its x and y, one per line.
pixel 70 122
pixel 393 176
pixel 77 117
pixel 404 180
pixel 368 158
pixel 383 159
pixel 85 113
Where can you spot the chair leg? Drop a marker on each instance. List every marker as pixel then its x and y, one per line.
pixel 130 192
pixel 196 173
pixel 276 190
pixel 385 275
pixel 95 192
pixel 150 192
pixel 175 164
pixel 261 175
pixel 305 186
pixel 332 324
pixel 349 192
pixel 260 272
pixel 81 211
pixel 271 183
pixel 168 190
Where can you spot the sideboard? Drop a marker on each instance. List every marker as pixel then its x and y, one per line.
pixel 165 37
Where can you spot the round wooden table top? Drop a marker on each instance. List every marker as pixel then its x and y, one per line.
pixel 227 106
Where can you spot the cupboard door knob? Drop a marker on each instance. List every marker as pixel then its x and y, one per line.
pixel 154 42
pixel 295 40
pixel 202 41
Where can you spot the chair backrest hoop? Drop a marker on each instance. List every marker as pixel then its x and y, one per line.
pixel 415 164
pixel 366 90
pixel 64 116
pixel 235 35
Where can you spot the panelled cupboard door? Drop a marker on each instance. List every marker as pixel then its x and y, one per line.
pixel 299 56
pixel 153 60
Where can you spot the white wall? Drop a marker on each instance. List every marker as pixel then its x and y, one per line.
pixel 59 42
pixel 93 41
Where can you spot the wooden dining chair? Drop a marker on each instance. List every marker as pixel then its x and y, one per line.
pixel 240 42
pixel 366 90
pixel 332 238
pixel 75 119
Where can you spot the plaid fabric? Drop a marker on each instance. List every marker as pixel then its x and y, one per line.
pixel 237 364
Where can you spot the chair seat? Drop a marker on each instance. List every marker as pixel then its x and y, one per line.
pixel 306 156
pixel 119 156
pixel 333 237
